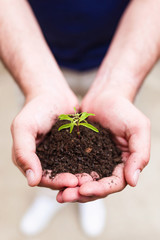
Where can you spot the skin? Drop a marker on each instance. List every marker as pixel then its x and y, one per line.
pixel 110 97
pixel 40 79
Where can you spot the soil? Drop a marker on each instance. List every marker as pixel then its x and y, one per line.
pixel 62 151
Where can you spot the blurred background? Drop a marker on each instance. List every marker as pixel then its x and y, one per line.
pixel 132 214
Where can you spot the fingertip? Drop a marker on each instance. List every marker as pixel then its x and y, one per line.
pixel 60 181
pixel 136 176
pixel 132 170
pixel 33 179
pixel 59 197
pixel 66 180
pixel 30 177
pixel 68 195
pixel 36 173
pixel 88 189
pixel 133 180
pixel 83 178
pixel 73 180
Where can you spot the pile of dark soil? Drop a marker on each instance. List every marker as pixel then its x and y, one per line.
pixel 62 151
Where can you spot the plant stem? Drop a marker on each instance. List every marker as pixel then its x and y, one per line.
pixel 78 132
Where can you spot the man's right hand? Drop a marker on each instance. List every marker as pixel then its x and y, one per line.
pixel 30 126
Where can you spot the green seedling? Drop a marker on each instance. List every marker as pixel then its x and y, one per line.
pixel 77 119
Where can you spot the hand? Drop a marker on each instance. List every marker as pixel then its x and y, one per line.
pixel 132 134
pixel 29 127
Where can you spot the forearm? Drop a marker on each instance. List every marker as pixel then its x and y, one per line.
pixel 24 51
pixel 134 49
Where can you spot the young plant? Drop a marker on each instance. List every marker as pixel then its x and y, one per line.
pixel 77 119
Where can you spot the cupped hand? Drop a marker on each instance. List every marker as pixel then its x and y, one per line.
pixel 30 126
pixel 131 130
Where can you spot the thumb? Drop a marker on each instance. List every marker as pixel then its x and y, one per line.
pixel 29 165
pixel 139 144
pixel 24 156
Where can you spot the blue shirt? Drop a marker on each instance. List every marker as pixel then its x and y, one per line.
pixel 78 32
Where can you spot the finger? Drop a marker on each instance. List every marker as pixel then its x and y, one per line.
pixel 123 149
pixel 95 176
pixel 139 147
pixel 105 186
pixel 60 181
pixel 18 166
pixel 24 154
pixel 73 195
pixel 83 178
pixel 125 156
pixel 120 141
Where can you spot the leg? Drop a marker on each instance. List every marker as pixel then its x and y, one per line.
pixel 40 213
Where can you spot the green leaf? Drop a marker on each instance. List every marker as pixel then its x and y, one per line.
pixel 75 110
pixel 71 127
pixel 89 126
pixel 65 117
pixel 64 126
pixel 85 115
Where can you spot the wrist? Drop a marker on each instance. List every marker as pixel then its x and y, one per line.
pixel 118 80
pixel 41 78
pixel 50 91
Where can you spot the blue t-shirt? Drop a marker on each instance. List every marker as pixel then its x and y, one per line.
pixel 78 32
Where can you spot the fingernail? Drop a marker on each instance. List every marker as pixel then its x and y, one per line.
pixel 59 198
pixel 136 176
pixel 30 177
